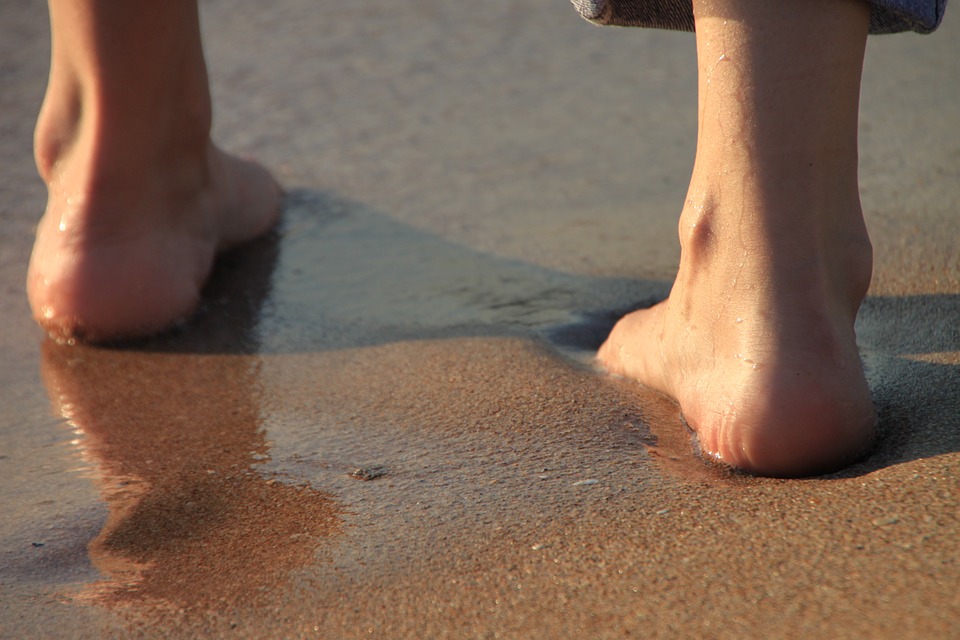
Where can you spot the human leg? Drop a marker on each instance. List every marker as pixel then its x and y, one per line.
pixel 756 341
pixel 140 199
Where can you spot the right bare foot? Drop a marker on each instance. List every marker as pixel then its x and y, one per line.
pixel 760 356
pixel 756 341
pixel 140 201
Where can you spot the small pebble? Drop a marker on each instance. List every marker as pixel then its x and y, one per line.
pixel 583 483
pixel 368 473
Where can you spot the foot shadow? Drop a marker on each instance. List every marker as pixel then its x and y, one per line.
pixel 911 350
pixel 338 275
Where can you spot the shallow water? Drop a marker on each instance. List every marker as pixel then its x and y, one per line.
pixel 457 239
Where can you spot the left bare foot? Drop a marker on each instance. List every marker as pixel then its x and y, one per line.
pixel 140 200
pixel 129 257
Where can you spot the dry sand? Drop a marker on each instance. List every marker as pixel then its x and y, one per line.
pixel 383 423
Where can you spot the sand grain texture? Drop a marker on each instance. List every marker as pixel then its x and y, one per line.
pixel 476 190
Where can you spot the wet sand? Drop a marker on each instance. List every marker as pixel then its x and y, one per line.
pixel 384 422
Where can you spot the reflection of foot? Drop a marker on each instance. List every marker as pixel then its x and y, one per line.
pixel 760 354
pixel 126 254
pixel 196 534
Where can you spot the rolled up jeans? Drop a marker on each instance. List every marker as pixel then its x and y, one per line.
pixel 886 16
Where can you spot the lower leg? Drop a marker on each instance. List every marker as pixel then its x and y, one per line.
pixel 140 200
pixel 756 341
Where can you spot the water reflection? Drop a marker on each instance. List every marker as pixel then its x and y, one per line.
pixel 175 437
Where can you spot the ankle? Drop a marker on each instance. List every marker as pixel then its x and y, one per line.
pixel 754 296
pixel 93 162
pixel 97 123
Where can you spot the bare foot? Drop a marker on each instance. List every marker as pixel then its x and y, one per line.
pixel 756 341
pixel 127 258
pixel 762 360
pixel 140 201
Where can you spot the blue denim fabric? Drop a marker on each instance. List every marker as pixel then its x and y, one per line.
pixel 886 16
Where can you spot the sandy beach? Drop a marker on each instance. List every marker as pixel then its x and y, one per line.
pixel 384 421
